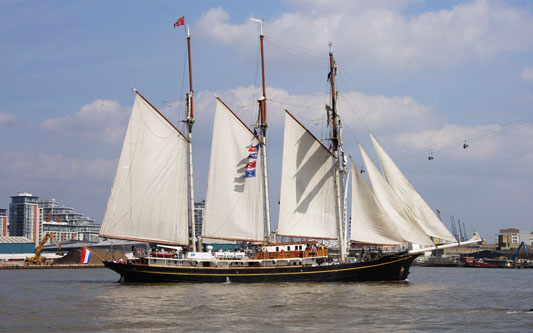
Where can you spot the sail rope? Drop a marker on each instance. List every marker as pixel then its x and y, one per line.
pixel 300 51
pixel 283 54
pixel 296 57
pixel 306 106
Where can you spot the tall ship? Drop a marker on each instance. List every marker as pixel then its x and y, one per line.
pixel 152 200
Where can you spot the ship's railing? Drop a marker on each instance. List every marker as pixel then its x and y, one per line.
pixel 319 252
pixel 228 255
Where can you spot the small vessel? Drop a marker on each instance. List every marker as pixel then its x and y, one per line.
pixel 153 194
pixel 487 263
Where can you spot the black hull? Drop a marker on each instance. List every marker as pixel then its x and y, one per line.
pixel 387 268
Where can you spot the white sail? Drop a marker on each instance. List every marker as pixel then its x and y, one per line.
pixel 424 215
pixel 399 214
pixel 370 222
pixel 148 200
pixel 307 198
pixel 234 202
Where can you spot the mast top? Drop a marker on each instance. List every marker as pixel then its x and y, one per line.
pixel 260 21
pixel 188 31
pixel 330 48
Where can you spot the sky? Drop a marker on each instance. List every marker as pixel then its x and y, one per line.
pixel 423 76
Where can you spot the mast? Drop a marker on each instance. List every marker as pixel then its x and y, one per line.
pixel 190 123
pixel 340 159
pixel 262 124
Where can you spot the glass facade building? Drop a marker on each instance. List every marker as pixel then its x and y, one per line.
pixel 65 224
pixel 24 217
pixel 199 213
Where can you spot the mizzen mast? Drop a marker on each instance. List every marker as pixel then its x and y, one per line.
pixel 190 123
pixel 340 159
pixel 262 125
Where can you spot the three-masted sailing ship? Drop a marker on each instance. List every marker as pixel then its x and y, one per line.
pixel 152 195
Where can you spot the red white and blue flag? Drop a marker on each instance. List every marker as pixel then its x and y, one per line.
pixel 252 161
pixel 85 255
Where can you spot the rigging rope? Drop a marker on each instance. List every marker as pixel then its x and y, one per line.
pixel 292 67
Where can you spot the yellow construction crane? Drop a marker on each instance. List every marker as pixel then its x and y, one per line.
pixel 37 259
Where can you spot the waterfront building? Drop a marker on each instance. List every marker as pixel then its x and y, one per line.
pixel 512 237
pixel 65 224
pixel 3 222
pixel 15 244
pixel 199 213
pixel 508 237
pixel 25 217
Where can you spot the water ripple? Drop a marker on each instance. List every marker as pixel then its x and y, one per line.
pixel 434 299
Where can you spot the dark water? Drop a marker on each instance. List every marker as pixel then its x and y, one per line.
pixel 434 299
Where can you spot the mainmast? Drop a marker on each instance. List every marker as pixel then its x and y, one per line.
pixel 190 123
pixel 262 125
pixel 340 159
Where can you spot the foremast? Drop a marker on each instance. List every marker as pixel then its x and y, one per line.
pixel 262 125
pixel 190 123
pixel 340 158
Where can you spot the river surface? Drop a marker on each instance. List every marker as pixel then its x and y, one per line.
pixel 434 299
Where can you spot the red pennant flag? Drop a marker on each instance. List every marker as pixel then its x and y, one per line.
pixel 179 22
pixel 250 165
pixel 254 149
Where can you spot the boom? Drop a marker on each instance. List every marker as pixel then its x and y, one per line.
pixel 513 258
pixel 37 259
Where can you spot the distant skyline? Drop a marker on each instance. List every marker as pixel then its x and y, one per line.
pixel 423 76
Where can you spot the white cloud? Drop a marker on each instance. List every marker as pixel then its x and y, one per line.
pixel 527 74
pixel 102 119
pixel 7 119
pixel 382 34
pixel 335 5
pixel 214 23
pixel 50 167
pixel 380 113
